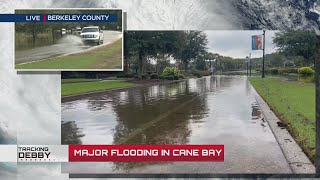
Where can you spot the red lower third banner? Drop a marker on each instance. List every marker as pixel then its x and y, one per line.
pixel 145 153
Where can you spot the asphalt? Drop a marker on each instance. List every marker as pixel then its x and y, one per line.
pixel 209 110
pixel 69 44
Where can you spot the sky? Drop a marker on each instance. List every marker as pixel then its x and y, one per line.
pixel 237 44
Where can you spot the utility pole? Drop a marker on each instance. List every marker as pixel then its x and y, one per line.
pixel 264 50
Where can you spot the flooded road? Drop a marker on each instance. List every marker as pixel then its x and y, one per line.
pixel 209 110
pixel 66 45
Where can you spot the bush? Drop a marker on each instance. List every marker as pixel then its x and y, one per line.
pixel 292 70
pixel 121 76
pixel 282 71
pixel 258 69
pixel 169 77
pixel 145 76
pixel 288 70
pixel 306 71
pixel 162 77
pixel 205 73
pixel 154 76
pixel 176 77
pixel 196 73
pixel 181 76
pixel 170 71
pixel 125 75
pixel 274 71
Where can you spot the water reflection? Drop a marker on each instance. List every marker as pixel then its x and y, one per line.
pixel 210 110
pixel 71 133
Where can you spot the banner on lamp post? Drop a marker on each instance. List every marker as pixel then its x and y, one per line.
pixel 257 42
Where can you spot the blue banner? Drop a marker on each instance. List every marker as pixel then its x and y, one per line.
pixel 58 18
pixel 257 42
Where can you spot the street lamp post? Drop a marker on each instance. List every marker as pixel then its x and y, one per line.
pixel 250 63
pixel 264 48
pixel 247 68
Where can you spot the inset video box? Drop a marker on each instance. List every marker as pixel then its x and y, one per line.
pixel 68 39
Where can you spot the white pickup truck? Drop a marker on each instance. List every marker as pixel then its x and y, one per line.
pixel 92 34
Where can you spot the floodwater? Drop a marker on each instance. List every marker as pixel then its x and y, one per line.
pixel 209 110
pixel 66 45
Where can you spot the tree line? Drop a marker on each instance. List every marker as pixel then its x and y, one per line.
pixel 154 50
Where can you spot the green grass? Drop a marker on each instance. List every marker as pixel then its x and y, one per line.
pixel 105 57
pixel 63 81
pixel 294 103
pixel 68 89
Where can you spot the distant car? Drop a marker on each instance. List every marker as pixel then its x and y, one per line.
pixel 63 31
pixel 78 30
pixel 92 34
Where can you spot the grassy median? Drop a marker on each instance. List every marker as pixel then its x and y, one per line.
pixel 68 89
pixel 294 103
pixel 78 80
pixel 105 57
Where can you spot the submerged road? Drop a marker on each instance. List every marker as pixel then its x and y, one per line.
pixel 209 110
pixel 66 45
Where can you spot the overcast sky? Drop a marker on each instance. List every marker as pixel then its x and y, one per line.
pixel 237 44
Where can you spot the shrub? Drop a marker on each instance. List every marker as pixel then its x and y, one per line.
pixel 181 76
pixel 145 76
pixel 162 77
pixel 293 70
pixel 125 75
pixel 282 71
pixel 258 69
pixel 121 76
pixel 306 71
pixel 196 73
pixel 176 77
pixel 154 76
pixel 169 77
pixel 288 70
pixel 170 71
pixel 274 71
pixel 205 73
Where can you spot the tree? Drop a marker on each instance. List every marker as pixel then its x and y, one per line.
pixel 276 60
pixel 298 43
pixel 195 44
pixel 299 61
pixel 148 44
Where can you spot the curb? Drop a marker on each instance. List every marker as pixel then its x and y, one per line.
pixel 297 160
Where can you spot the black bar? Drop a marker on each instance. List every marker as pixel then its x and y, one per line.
pixel 195 175
pixel 263 58
pixel 317 75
